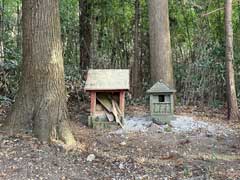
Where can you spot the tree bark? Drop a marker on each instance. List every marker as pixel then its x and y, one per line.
pixel 233 111
pixel 136 76
pixel 2 32
pixel 40 105
pixel 85 33
pixel 160 45
pixel 19 18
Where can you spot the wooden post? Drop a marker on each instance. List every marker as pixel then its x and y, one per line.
pixel 93 103
pixel 122 101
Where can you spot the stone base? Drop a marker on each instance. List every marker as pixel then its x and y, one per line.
pixel 164 119
pixel 96 123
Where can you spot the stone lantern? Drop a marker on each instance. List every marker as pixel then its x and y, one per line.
pixel 161 102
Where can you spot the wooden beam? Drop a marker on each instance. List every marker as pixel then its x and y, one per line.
pixel 122 101
pixel 93 103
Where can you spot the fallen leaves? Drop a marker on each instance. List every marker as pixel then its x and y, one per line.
pixel 122 156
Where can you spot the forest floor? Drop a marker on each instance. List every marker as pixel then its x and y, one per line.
pixel 157 153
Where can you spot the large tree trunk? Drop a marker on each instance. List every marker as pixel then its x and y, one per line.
pixel 40 104
pixel 85 33
pixel 233 112
pixel 136 75
pixel 160 45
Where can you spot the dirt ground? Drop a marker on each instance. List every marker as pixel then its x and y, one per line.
pixel 149 155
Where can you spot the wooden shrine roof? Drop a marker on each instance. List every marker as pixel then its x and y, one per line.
pixel 107 79
pixel 160 87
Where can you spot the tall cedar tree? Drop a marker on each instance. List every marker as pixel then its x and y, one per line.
pixel 85 33
pixel 41 100
pixel 136 67
pixel 233 111
pixel 160 45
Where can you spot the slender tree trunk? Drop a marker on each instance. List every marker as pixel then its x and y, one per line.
pixel 19 17
pixel 136 81
pixel 187 29
pixel 94 42
pixel 85 33
pixel 40 105
pixel 238 12
pixel 2 32
pixel 220 30
pixel 160 45
pixel 233 111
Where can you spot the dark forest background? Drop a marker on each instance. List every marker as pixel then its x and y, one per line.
pixel 106 33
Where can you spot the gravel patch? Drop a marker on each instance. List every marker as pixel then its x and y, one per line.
pixel 181 124
pixel 188 124
pixel 135 124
